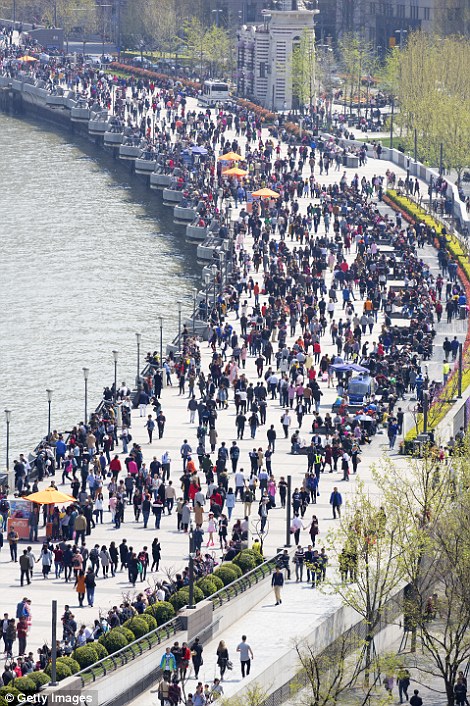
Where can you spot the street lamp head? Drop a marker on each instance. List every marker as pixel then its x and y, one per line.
pixel 115 356
pixel 160 319
pixel 180 305
pixel 86 372
pixel 49 395
pixel 207 277
pixel 138 337
pixel 214 270
pixel 7 415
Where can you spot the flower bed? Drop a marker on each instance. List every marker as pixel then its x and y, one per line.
pixel 413 214
pixel 153 75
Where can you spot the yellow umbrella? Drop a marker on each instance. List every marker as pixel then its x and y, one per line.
pixel 50 496
pixel 27 58
pixel 235 171
pixel 266 194
pixel 230 157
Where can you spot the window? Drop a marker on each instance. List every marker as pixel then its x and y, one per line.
pixel 427 13
pixel 388 11
pixel 373 8
pixel 414 12
pixel 400 10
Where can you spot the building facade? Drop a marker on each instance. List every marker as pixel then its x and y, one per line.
pixel 264 54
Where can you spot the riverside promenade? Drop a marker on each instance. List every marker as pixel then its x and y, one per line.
pixel 174 544
pixel 266 633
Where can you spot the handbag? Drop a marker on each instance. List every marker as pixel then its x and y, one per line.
pixel 229 664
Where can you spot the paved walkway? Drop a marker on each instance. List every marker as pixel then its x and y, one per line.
pixel 174 544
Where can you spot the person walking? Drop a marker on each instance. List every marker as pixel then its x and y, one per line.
pixel 90 584
pixel 246 655
pixel 80 587
pixel 156 554
pixel 416 699
pixel 222 658
pixel 196 655
pixel 24 567
pixel 336 501
pixel 277 582
pixel 150 426
pixel 13 539
pixel 403 679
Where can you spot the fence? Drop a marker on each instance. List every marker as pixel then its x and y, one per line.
pixel 129 653
pixel 156 637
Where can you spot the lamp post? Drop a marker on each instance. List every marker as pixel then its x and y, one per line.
pixel 49 402
pixel 8 419
pixel 408 172
pixel 160 319
pixel 207 281
pixel 460 370
pixel 195 293
pixel 191 567
pixel 138 337
pixel 115 356
pixel 86 372
pixel 180 305
pixel 288 512
pixel 214 277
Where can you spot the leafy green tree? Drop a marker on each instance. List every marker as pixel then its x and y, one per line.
pixel 303 68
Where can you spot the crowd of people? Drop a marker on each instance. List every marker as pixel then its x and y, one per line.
pixel 317 266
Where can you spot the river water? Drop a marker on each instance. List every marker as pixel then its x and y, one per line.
pixel 89 256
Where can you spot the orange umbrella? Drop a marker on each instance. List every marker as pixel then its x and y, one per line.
pixel 235 171
pixel 266 194
pixel 230 157
pixel 50 496
pixel 27 58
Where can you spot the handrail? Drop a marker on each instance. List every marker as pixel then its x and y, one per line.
pixel 240 585
pixel 126 654
pixel 145 643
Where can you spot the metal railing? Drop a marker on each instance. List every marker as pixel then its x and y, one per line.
pixel 253 577
pixel 130 652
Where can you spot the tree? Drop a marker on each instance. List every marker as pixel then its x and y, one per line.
pixel 370 538
pixel 208 47
pixel 303 66
pixel 358 58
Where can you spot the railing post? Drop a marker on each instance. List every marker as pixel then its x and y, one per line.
pixel 288 511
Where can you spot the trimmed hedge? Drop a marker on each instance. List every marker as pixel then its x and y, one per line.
pixel 69 662
pixel 25 685
pixel 162 611
pixel 128 634
pixel 207 586
pixel 100 649
pixel 86 655
pixel 226 574
pixel 137 626
pixel 246 562
pixel 218 581
pixel 10 689
pixel 39 678
pixel 150 620
pixel 62 671
pixel 113 641
pixel 234 567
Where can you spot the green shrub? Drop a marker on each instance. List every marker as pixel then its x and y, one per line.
pixel 226 574
pixel 62 670
pixel 137 626
pixel 207 586
pixel 10 689
pixel 86 655
pixel 256 555
pixel 69 662
pixel 217 580
pixel 162 611
pixel 128 634
pixel 113 641
pixel 25 685
pixel 179 599
pixel 4 702
pixel 245 562
pixel 234 567
pixel 100 650
pixel 150 620
pixel 39 678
